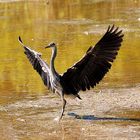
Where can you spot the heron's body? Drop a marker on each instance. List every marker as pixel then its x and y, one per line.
pixel 85 73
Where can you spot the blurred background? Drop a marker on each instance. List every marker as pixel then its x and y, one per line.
pixel 74 25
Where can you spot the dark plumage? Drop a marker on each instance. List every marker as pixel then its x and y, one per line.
pixel 94 65
pixel 86 73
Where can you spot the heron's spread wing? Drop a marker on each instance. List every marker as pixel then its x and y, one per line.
pixel 38 64
pixel 95 64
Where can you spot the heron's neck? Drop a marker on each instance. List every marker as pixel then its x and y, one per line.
pixel 54 52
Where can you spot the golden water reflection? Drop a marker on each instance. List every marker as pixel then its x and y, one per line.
pixel 66 23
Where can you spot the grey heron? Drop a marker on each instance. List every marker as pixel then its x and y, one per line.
pixel 84 74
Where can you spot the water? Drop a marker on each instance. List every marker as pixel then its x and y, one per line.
pixel 28 109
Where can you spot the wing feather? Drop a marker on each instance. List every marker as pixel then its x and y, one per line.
pixel 95 64
pixel 38 64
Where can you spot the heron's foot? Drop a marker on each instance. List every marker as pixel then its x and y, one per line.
pixel 59 118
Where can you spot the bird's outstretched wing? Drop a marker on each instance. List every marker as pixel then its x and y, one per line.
pixel 95 64
pixel 38 64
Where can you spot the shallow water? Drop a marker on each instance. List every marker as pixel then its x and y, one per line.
pixel 27 110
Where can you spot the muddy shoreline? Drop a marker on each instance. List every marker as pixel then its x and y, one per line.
pixel 109 114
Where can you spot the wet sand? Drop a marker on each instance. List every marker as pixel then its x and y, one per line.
pixel 108 114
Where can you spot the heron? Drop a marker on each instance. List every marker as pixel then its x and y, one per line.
pixel 84 74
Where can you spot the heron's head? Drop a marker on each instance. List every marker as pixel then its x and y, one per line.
pixel 51 45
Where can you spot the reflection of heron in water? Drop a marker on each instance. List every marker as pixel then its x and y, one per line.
pixel 85 73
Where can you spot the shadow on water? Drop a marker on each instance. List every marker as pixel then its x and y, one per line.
pixel 92 117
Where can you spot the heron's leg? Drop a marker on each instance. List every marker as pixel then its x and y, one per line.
pixel 63 106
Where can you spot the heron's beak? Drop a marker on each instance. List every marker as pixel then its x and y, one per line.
pixel 47 46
